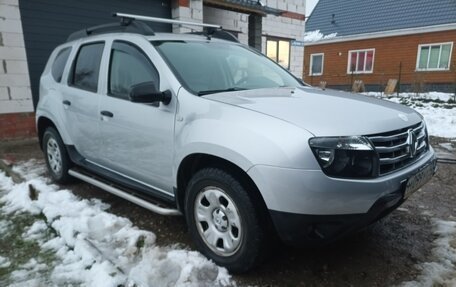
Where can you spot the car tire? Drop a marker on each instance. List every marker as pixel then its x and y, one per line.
pixel 56 156
pixel 223 221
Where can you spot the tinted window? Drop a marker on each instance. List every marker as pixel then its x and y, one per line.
pixel 129 66
pixel 59 64
pixel 87 67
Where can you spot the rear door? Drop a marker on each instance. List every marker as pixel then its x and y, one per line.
pixel 137 138
pixel 81 99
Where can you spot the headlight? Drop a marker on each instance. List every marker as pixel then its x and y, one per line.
pixel 349 157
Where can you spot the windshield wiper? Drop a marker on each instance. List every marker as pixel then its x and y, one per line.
pixel 233 89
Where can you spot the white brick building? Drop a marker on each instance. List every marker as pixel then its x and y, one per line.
pixel 15 93
pixel 282 25
pixel 29 30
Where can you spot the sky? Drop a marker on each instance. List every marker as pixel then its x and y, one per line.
pixel 310 5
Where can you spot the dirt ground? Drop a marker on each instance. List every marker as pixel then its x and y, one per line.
pixel 383 254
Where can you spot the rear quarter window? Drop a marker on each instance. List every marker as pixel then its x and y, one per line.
pixel 59 64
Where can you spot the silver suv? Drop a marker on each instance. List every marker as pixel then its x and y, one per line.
pixel 197 125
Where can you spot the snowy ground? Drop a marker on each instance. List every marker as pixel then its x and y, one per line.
pixel 59 239
pixel 438 109
pixel 50 237
pixel 441 271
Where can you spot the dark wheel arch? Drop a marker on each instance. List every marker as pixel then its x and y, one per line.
pixel 237 220
pixel 42 125
pixel 195 162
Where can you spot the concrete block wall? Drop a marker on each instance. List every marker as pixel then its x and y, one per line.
pixel 16 105
pixel 287 27
pixel 229 20
pixel 274 26
pixel 187 10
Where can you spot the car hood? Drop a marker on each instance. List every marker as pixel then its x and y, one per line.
pixel 324 112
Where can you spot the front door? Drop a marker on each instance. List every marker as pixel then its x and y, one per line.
pixel 137 138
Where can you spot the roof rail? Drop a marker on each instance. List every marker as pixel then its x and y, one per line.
pixel 219 34
pixel 210 30
pixel 129 25
pixel 125 26
pixel 164 20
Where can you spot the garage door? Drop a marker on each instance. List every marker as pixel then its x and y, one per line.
pixel 47 23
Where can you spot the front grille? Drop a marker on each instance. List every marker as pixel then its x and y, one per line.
pixel 393 149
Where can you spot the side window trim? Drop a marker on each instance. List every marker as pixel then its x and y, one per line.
pixel 74 58
pixel 136 48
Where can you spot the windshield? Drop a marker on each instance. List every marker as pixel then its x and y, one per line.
pixel 211 67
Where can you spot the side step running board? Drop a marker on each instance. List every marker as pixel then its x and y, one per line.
pixel 136 200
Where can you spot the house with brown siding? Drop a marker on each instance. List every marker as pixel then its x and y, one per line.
pixel 408 40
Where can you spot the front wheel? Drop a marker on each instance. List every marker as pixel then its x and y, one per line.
pixel 57 160
pixel 223 220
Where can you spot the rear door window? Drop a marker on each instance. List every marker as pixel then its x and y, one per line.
pixel 59 64
pixel 86 67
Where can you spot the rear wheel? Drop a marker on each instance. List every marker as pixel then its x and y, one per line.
pixel 57 160
pixel 223 220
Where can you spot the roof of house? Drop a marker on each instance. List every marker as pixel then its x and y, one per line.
pixel 244 6
pixel 352 17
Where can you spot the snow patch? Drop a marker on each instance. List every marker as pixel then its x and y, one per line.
pixel 6 183
pixel 314 36
pixel 427 213
pixel 96 248
pixel 447 146
pixel 403 209
pixel 26 275
pixel 440 272
pixel 4 262
pixel 439 121
pixel 4 226
pixel 36 231
pixel 438 110
pixel 30 169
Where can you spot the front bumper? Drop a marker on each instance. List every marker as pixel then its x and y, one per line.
pixel 300 229
pixel 307 205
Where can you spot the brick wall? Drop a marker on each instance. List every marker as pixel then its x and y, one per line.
pixel 389 52
pixel 17 125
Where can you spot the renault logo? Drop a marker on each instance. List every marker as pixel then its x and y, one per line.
pixel 412 143
pixel 403 117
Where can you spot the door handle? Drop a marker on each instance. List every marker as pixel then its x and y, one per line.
pixel 66 104
pixel 107 114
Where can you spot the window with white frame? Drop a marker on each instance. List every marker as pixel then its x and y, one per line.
pixel 360 61
pixel 434 57
pixel 316 64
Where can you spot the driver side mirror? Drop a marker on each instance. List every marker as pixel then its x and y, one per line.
pixel 147 93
